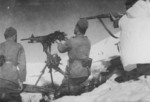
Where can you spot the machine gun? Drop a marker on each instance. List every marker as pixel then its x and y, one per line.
pixel 53 60
pixel 107 15
pixel 47 40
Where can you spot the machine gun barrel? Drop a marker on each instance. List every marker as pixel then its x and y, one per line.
pixel 35 39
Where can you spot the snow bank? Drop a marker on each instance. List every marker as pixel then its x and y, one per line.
pixel 101 54
pixel 31 97
pixel 111 91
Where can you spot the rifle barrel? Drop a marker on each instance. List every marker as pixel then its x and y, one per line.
pixel 101 16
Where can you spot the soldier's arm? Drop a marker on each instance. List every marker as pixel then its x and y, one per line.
pixel 116 23
pixel 64 47
pixel 22 64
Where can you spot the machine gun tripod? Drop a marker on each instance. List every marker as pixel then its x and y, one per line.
pixel 53 61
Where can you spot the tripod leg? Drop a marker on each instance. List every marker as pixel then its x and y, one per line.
pixel 41 75
pixel 68 85
pixel 51 75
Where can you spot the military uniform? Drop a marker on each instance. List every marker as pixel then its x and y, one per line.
pixel 78 48
pixel 12 70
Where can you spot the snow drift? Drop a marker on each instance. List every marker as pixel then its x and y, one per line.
pixel 111 91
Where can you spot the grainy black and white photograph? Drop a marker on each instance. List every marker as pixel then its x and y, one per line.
pixel 74 50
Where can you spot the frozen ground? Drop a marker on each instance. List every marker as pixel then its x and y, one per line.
pixel 111 91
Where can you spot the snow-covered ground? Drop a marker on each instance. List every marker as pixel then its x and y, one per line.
pixel 31 97
pixel 111 91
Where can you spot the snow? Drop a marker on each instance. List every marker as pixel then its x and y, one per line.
pixel 31 97
pixel 34 71
pixel 111 91
pixel 104 49
pixel 101 54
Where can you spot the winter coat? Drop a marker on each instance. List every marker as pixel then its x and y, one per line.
pixel 78 48
pixel 135 35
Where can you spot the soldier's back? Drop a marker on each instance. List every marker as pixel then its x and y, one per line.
pixel 80 47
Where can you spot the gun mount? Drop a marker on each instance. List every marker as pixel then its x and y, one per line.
pixel 47 40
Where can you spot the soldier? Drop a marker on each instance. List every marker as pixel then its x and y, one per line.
pixel 13 70
pixel 134 40
pixel 78 48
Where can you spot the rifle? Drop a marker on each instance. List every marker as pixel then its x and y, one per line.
pixel 107 15
pixel 113 17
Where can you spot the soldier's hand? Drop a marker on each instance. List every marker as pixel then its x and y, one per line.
pixel 57 41
pixel 20 85
pixel 112 17
pixel 120 14
pixel 60 42
pixel 66 38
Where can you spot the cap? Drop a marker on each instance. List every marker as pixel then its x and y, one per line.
pixel 9 32
pixel 82 24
